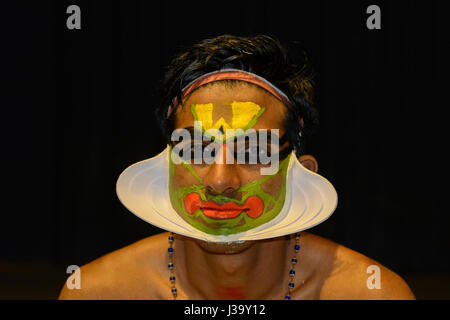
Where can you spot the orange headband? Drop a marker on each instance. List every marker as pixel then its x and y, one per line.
pixel 231 74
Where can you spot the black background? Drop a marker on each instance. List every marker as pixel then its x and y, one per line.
pixel 77 109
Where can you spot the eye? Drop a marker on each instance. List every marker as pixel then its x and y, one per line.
pixel 202 150
pixel 196 150
pixel 187 150
pixel 252 149
pixel 255 153
pixel 209 151
pixel 264 150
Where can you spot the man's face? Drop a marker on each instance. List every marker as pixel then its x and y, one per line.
pixel 225 197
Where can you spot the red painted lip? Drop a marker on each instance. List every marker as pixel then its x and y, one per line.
pixel 253 207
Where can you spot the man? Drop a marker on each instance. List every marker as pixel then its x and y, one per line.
pixel 235 189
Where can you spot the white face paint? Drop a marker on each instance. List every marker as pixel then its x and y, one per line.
pixel 143 189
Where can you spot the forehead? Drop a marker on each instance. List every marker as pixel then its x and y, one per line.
pixel 223 96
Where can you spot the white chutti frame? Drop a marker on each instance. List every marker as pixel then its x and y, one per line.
pixel 143 189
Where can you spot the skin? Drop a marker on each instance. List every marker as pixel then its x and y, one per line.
pixel 326 270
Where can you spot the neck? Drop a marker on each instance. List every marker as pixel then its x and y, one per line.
pixel 215 273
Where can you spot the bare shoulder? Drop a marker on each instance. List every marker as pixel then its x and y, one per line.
pixel 352 275
pixel 124 273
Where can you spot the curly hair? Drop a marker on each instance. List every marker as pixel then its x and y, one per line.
pixel 261 55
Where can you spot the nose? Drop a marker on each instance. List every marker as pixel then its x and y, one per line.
pixel 222 178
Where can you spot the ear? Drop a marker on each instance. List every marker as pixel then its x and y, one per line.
pixel 309 162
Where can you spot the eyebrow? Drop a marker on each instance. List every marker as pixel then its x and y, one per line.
pixel 283 153
pixel 192 130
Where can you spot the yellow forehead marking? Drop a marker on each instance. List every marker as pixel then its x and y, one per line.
pixel 243 113
pixel 203 113
pixel 244 116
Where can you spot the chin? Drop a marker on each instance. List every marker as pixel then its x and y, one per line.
pixel 232 247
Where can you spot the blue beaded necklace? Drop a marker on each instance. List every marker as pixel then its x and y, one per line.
pixel 291 283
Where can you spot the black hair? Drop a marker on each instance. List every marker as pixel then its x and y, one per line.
pixel 261 55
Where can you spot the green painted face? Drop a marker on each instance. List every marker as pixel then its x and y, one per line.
pixel 254 203
pixel 255 207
